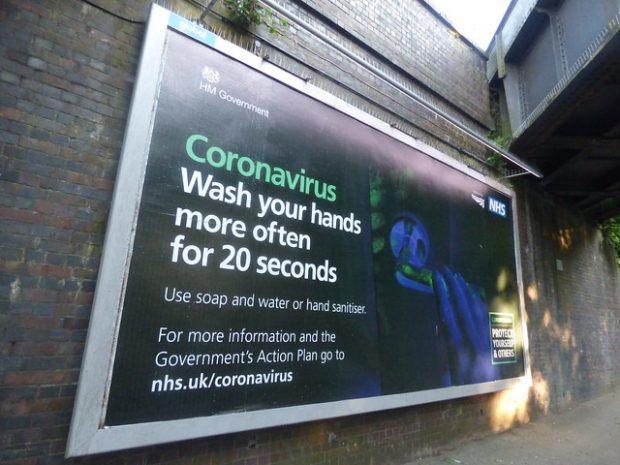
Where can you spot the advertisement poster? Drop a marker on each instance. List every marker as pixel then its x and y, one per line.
pixel 287 254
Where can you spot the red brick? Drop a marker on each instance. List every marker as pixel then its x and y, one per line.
pixel 25 378
pixel 11 113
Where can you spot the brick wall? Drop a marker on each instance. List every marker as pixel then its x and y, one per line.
pixel 66 76
pixel 572 299
pixel 409 36
pixel 462 94
pixel 66 73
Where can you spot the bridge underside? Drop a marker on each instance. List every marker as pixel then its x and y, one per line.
pixel 576 141
pixel 558 63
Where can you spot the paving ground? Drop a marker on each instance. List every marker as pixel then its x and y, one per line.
pixel 588 434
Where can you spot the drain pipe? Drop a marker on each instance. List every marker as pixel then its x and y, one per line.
pixel 428 106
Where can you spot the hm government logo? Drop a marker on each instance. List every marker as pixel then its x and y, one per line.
pixel 211 75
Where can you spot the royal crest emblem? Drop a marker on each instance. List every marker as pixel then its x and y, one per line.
pixel 211 75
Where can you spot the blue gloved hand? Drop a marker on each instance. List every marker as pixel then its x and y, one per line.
pixel 465 327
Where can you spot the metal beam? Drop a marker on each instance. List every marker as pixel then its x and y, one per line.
pixel 585 193
pixel 584 143
pixel 608 213
pixel 564 167
pixel 587 204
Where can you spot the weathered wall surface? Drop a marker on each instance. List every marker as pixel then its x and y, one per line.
pixel 572 299
pixel 66 76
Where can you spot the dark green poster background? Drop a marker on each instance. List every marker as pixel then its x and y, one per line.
pixel 287 254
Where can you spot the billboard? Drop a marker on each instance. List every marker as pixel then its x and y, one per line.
pixel 275 255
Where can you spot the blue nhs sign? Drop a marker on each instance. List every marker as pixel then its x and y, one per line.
pixel 498 207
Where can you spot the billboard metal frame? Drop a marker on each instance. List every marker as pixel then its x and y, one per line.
pixel 88 434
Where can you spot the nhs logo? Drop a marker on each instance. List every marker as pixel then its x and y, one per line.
pixel 498 207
